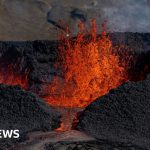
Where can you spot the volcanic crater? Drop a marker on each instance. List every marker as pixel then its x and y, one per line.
pixel 69 74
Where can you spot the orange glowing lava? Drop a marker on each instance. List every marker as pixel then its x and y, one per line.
pixel 90 68
pixel 9 76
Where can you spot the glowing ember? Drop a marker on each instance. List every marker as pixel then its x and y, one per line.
pixel 9 76
pixel 90 68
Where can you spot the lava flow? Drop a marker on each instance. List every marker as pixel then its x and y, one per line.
pixel 89 66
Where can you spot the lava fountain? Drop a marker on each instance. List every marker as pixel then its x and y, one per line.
pixel 90 67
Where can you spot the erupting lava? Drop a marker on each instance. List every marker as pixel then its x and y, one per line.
pixel 89 66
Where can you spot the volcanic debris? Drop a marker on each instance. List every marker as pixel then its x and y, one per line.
pixel 25 112
pixel 123 115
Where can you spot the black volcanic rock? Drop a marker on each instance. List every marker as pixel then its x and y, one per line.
pixel 136 41
pixel 122 115
pixel 24 111
pixel 94 145
pixel 35 57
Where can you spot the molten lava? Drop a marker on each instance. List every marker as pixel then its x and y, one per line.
pixel 10 76
pixel 89 66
